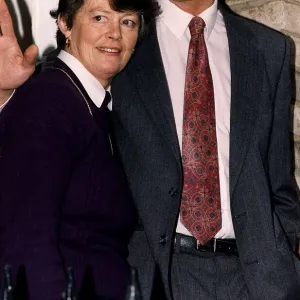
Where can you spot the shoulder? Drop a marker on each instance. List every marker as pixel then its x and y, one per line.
pixel 48 97
pixel 272 46
pixel 47 105
pixel 51 86
pixel 47 110
pixel 268 40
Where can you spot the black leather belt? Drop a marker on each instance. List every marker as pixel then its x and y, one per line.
pixel 227 246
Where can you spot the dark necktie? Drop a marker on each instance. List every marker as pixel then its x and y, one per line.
pixel 102 115
pixel 200 210
pixel 106 100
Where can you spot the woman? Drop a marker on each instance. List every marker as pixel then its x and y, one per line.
pixel 64 200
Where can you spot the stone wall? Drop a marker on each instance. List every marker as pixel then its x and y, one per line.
pixel 285 17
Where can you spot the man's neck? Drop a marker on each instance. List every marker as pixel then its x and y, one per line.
pixel 193 7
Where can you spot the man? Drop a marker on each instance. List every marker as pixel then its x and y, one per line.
pixel 202 121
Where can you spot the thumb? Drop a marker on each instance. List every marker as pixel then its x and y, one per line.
pixel 30 56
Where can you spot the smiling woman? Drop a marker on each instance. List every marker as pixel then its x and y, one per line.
pixel 64 199
pixel 102 34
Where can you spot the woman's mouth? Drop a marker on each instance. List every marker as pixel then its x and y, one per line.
pixel 109 50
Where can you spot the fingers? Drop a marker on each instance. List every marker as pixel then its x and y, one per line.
pixel 6 23
pixel 30 56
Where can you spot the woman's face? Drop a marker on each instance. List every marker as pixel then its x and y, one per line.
pixel 102 39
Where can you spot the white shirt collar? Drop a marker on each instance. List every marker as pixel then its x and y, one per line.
pixel 92 86
pixel 178 20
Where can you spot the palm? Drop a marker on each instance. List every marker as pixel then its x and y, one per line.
pixel 15 68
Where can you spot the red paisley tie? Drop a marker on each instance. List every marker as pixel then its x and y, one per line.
pixel 200 210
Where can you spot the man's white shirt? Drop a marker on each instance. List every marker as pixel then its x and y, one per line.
pixel 174 38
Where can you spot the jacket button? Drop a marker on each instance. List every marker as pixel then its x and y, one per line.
pixel 173 192
pixel 163 239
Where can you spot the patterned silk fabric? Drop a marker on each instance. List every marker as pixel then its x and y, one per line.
pixel 200 210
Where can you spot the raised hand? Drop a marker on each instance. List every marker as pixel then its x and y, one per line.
pixel 15 67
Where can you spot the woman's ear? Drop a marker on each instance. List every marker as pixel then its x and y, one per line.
pixel 62 24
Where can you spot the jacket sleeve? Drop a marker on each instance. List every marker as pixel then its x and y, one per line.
pixel 6 102
pixel 285 201
pixel 34 172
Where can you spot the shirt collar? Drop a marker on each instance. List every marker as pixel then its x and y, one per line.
pixel 178 20
pixel 92 86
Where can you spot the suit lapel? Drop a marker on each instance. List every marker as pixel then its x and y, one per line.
pixel 247 72
pixel 150 80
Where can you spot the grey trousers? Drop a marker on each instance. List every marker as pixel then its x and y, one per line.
pixel 207 276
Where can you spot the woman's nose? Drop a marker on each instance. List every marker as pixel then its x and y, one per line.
pixel 114 32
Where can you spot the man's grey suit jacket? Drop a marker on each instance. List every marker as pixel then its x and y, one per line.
pixel 265 210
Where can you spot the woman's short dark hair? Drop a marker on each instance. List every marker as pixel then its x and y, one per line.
pixel 148 10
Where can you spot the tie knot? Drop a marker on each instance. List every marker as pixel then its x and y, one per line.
pixel 196 26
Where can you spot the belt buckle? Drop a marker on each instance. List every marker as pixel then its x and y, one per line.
pixel 214 247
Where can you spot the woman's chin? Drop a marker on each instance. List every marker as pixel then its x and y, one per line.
pixel 105 76
pixel 107 73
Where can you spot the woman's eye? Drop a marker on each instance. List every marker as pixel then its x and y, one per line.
pixel 129 23
pixel 99 18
